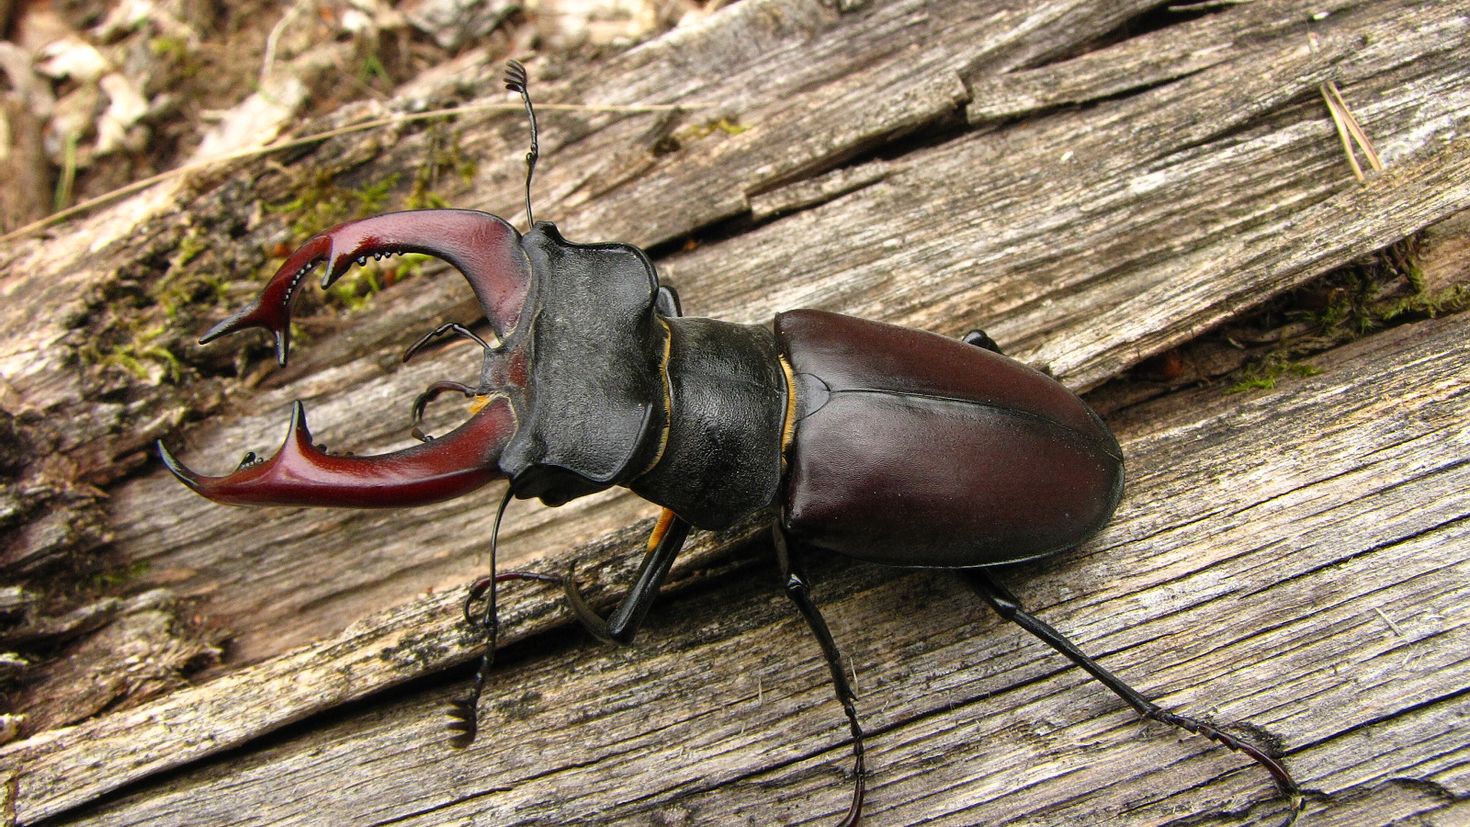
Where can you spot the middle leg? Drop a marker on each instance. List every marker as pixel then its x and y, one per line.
pixel 799 590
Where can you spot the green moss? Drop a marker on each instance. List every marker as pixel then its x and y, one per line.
pixel 322 203
pixel 170 47
pixel 146 356
pixel 444 158
pixel 356 287
pixel 190 246
pixel 410 265
pixel 1263 375
pixel 722 125
pixel 675 141
pixel 372 69
pixel 1424 303
pixel 1414 275
pixel 1372 293
pixel 141 333
pixel 1387 288
pixel 110 580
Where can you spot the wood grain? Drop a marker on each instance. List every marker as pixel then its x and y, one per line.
pixel 1089 197
pixel 1295 559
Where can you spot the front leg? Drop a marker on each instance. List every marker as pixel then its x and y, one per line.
pixel 622 626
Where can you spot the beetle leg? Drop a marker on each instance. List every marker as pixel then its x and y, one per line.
pixel 481 585
pixel 487 370
pixel 457 329
pixel 622 626
pixel 464 712
pixel 431 393
pixel 981 339
pixel 799 591
pixel 1010 608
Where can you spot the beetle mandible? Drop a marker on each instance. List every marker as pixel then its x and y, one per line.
pixel 596 379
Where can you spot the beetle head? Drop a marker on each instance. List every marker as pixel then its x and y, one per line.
pixel 575 397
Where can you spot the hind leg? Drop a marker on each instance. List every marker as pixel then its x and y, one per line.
pixel 1010 608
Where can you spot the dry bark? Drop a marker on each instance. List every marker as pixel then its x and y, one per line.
pixel 1089 198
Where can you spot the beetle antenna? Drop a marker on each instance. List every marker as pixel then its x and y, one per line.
pixel 515 81
pixel 465 711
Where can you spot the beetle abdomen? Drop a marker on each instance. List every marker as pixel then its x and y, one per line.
pixel 916 450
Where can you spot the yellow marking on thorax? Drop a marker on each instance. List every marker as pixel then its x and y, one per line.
pixel 788 425
pixel 663 371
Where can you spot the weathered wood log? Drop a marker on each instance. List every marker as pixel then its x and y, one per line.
pixel 1084 238
pixel 1294 559
pixel 1082 269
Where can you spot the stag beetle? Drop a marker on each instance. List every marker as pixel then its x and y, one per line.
pixel 595 379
